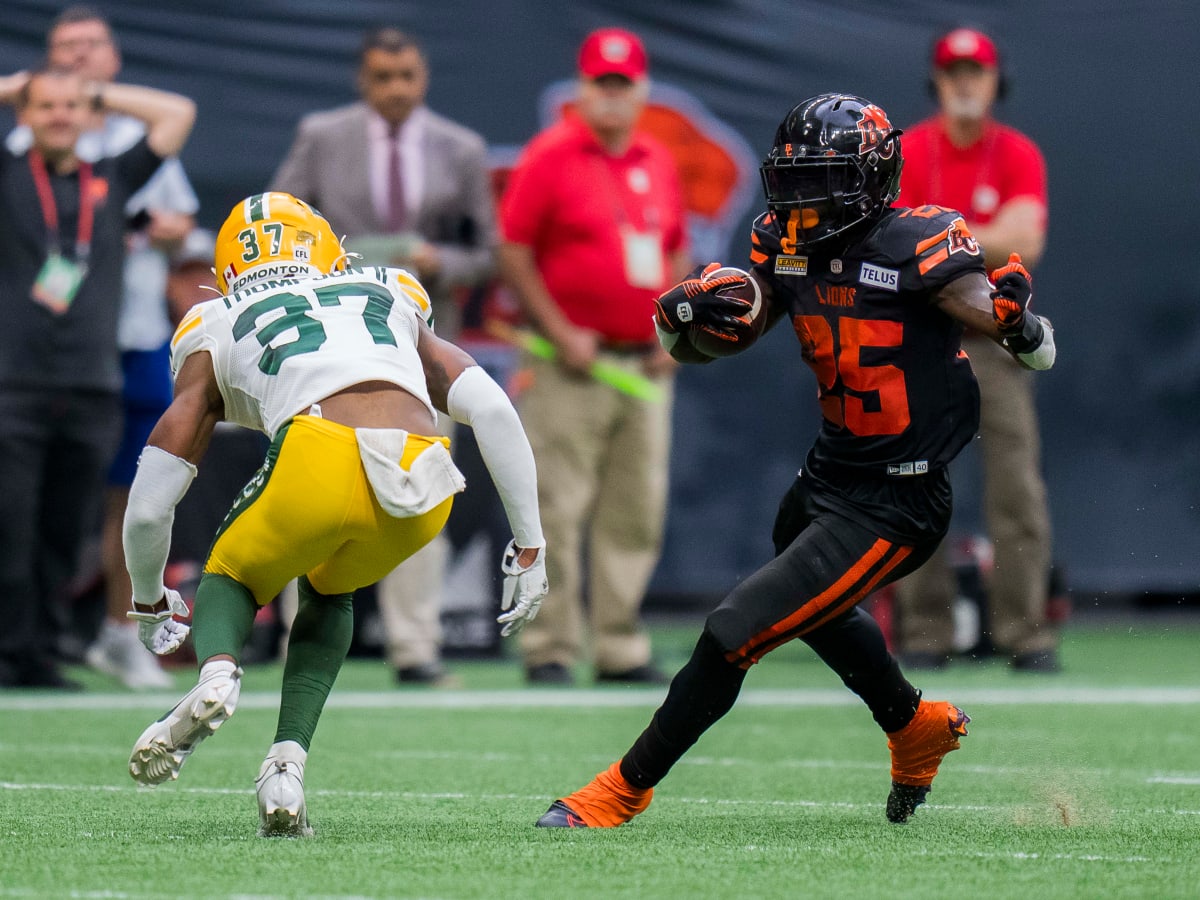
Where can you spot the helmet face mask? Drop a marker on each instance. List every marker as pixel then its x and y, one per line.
pixel 274 235
pixel 835 165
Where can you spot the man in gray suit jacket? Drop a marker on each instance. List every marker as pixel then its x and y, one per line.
pixel 406 187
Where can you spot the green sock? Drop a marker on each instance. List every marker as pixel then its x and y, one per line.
pixel 222 617
pixel 317 647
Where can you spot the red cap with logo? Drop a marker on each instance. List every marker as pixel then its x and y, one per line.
pixel 965 44
pixel 612 51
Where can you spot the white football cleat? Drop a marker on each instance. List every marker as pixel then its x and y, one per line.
pixel 280 788
pixel 163 748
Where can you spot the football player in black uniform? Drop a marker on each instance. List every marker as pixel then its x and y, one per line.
pixel 878 298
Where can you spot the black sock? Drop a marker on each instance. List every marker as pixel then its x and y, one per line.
pixel 853 646
pixel 703 691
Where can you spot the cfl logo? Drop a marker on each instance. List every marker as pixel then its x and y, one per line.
pixel 684 311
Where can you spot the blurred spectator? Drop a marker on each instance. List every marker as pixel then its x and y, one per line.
pixel 62 247
pixel 593 230
pixel 962 158
pixel 191 278
pixel 80 40
pixel 407 187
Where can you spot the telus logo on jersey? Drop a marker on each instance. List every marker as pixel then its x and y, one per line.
pixel 878 276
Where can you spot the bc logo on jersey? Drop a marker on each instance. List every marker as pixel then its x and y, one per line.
pixel 959 236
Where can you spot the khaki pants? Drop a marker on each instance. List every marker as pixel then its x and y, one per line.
pixel 602 486
pixel 1017 518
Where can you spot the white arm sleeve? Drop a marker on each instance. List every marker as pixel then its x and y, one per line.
pixel 160 483
pixel 476 400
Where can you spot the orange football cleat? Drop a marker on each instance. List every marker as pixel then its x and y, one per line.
pixel 917 751
pixel 606 801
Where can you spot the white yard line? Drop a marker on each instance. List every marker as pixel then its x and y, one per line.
pixel 596 699
pixel 530 798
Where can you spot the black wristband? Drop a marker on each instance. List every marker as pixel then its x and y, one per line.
pixel 1029 338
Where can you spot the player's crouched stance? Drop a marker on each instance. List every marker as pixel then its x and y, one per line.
pixel 878 298
pixel 340 368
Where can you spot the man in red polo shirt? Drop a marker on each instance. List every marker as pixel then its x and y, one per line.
pixel 593 229
pixel 995 176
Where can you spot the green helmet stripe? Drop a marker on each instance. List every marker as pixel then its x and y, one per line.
pixel 257 208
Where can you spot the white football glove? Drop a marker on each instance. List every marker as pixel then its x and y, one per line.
pixel 524 590
pixel 159 631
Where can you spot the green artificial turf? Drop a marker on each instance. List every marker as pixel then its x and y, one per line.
pixel 1083 784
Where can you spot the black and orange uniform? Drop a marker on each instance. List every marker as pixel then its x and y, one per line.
pixel 899 401
pixel 873 500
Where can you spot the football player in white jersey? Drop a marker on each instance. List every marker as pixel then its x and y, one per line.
pixel 340 368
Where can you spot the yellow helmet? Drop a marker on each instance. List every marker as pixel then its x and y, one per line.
pixel 274 235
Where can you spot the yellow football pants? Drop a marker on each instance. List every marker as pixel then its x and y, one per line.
pixel 311 511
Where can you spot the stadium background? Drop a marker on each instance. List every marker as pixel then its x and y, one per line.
pixel 1103 87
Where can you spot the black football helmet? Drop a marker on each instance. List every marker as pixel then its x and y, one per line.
pixel 835 164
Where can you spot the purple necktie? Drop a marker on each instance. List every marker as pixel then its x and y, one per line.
pixel 397 214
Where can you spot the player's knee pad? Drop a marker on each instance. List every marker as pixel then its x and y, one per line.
pixel 727 629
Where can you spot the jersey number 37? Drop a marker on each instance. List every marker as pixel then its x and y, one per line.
pixel 310 333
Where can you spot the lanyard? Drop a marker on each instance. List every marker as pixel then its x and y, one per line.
pixel 87 205
pixel 614 173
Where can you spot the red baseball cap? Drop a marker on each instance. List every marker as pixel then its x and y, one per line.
pixel 965 44
pixel 612 51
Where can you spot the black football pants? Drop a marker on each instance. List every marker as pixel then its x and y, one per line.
pixel 826 564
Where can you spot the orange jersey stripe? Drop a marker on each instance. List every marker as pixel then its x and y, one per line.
pixel 940 257
pixel 757 257
pixel 942 235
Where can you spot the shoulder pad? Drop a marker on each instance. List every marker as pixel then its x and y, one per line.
pixel 406 286
pixel 190 336
pixel 934 239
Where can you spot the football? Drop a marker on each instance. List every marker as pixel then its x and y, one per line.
pixel 716 343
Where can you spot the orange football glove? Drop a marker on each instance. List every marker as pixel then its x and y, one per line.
pixel 1013 291
pixel 695 301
